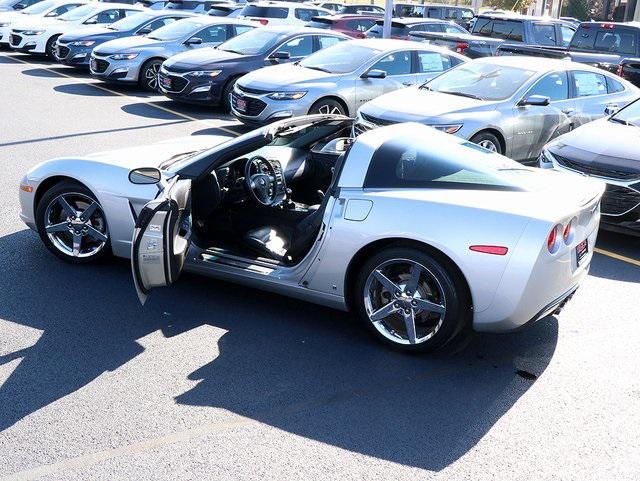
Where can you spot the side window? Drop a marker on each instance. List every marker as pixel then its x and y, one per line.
pixel 616 41
pixel 398 63
pixel 304 14
pixel 451 14
pixel 587 84
pixel 127 13
pixel 61 9
pixel 298 47
pixel 107 16
pixel 433 13
pixel 544 34
pixel 453 29
pixel 429 62
pixel 567 35
pixel 212 34
pixel 325 41
pixel 509 30
pixel 554 85
pixel 613 86
pixel 159 22
pixel 360 25
pixel 240 29
pixel 483 26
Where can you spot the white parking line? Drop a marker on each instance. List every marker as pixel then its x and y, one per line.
pixel 120 94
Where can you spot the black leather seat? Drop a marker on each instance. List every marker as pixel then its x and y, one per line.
pixel 269 241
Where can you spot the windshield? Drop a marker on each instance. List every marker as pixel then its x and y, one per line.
pixel 37 8
pixel 630 115
pixel 483 81
pixel 252 43
pixel 339 58
pixel 77 13
pixel 129 23
pixel 175 30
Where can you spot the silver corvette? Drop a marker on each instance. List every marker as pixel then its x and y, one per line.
pixel 422 234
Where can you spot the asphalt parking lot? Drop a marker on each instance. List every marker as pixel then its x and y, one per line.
pixel 215 381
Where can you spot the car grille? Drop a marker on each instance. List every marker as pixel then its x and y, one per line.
pixel 597 170
pixel 254 106
pixel 15 39
pixel 360 129
pixel 63 51
pixel 249 90
pixel 98 65
pixel 376 121
pixel 618 200
pixel 178 84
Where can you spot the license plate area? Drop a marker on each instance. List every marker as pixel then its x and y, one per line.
pixel 93 64
pixel 241 105
pixel 165 82
pixel 582 250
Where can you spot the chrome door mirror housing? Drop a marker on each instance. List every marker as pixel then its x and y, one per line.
pixel 374 74
pixel 145 176
pixel 537 100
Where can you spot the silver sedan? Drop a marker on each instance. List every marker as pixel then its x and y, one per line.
pixel 484 255
pixel 137 59
pixel 510 105
pixel 339 78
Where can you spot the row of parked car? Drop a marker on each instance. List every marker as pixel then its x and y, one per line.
pixel 264 66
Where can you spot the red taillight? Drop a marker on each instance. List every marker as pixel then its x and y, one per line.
pixel 461 47
pixel 552 238
pixel 567 233
pixel 620 71
pixel 495 250
pixel 263 21
pixel 399 37
pixel 360 35
pixel 608 25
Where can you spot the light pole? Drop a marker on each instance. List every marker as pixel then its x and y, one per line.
pixel 388 14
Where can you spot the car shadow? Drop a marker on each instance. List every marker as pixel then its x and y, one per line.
pixel 606 267
pixel 239 129
pixel 304 369
pixel 163 106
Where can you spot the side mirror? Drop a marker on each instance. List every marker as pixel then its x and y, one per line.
pixel 194 41
pixel 144 31
pixel 538 100
pixel 20 6
pixel 611 109
pixel 145 175
pixel 280 56
pixel 375 73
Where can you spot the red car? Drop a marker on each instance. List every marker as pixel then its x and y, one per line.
pixel 348 24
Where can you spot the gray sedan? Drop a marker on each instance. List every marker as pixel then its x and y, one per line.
pixel 510 105
pixel 340 78
pixel 137 59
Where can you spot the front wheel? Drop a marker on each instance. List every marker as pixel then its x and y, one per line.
pixel 327 106
pixel 411 301
pixel 50 48
pixel 72 224
pixel 488 141
pixel 148 79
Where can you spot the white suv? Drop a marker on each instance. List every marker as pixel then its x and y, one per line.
pixel 282 13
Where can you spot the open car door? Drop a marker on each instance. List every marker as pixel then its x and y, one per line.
pixel 161 238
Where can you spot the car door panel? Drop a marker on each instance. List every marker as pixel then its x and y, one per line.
pixel 161 239
pixel 398 66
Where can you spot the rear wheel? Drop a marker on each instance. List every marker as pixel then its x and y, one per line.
pixel 148 79
pixel 50 48
pixel 327 106
pixel 72 224
pixel 488 141
pixel 411 301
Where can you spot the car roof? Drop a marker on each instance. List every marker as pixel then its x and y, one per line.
pixel 295 29
pixel 415 20
pixel 386 44
pixel 519 16
pixel 348 16
pixel 284 4
pixel 634 24
pixel 538 64
pixel 210 20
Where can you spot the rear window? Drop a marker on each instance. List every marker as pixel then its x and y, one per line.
pixel 264 12
pixel 320 23
pixel 505 29
pixel 405 162
pixel 607 40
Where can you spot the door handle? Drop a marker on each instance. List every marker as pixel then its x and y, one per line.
pixel 407 84
pixel 568 111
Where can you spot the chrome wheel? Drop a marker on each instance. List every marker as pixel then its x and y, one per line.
pixel 404 301
pixel 489 145
pixel 329 109
pixel 151 76
pixel 75 224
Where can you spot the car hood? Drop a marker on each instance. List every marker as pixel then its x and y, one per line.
pixel 128 44
pixel 419 105
pixel 155 154
pixel 84 33
pixel 25 22
pixel 288 76
pixel 585 146
pixel 201 57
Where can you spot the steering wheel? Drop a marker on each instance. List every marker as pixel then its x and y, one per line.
pixel 261 181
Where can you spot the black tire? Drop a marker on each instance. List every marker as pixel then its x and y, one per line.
pixel 225 101
pixel 78 190
pixel 486 140
pixel 454 296
pixel 327 105
pixel 145 81
pixel 49 48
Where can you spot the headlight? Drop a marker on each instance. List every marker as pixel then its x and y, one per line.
pixel 448 128
pixel 286 95
pixel 33 32
pixel 83 43
pixel 124 56
pixel 204 73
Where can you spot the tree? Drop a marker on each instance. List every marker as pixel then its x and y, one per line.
pixel 576 8
pixel 514 5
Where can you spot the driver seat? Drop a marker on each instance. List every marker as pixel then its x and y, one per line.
pixel 269 241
